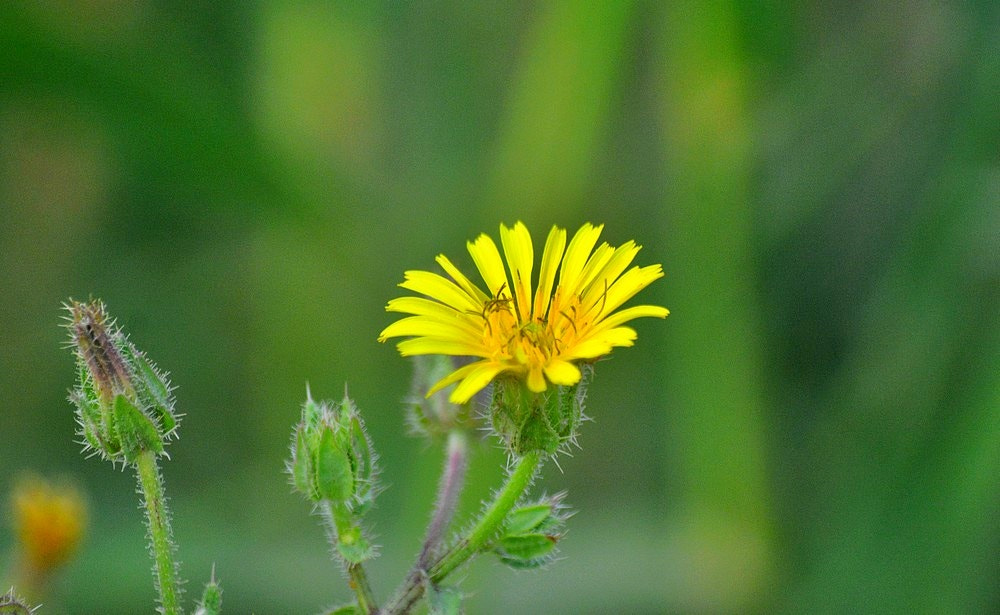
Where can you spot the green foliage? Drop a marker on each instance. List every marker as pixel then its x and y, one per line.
pixel 531 532
pixel 526 518
pixel 153 388
pixel 334 480
pixel 137 431
pixel 444 600
pixel 814 430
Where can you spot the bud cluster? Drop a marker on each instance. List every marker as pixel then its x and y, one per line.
pixel 124 404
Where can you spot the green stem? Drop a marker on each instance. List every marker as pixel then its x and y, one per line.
pixel 362 589
pixel 482 532
pixel 158 525
pixel 339 522
pixel 489 524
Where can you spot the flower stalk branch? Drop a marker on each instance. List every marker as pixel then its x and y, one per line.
pixel 529 336
pixel 484 530
pixel 489 524
pixel 450 487
pixel 452 482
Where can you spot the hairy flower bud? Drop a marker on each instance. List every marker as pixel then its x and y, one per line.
pixel 333 464
pixel 435 414
pixel 11 604
pixel 211 598
pixel 332 457
pixel 124 405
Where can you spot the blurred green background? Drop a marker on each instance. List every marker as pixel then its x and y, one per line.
pixel 816 427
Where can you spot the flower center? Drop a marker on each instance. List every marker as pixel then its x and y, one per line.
pixel 532 343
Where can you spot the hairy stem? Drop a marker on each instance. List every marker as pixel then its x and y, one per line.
pixel 160 538
pixel 362 590
pixel 481 533
pixel 452 481
pixel 339 519
pixel 487 526
pixel 449 488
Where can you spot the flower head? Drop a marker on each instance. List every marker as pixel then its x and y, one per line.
pixel 534 333
pixel 49 520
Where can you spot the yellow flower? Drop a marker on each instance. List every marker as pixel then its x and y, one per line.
pixel 49 521
pixel 537 336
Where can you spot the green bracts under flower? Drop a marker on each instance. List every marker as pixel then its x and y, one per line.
pixel 538 422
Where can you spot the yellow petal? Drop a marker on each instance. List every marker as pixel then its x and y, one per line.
pixel 440 288
pixel 475 381
pixel 562 372
pixel 594 264
pixel 422 326
pixel 460 279
pixel 577 253
pixel 555 245
pixel 601 343
pixel 487 258
pixel 625 287
pixel 601 280
pixel 421 306
pixel 623 316
pixel 426 345
pixel 520 253
pixel 453 377
pixel 536 381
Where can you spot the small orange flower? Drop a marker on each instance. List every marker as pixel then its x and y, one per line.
pixel 49 521
pixel 537 334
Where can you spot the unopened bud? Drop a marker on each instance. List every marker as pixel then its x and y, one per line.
pixel 332 457
pixel 429 416
pixel 333 464
pixel 211 598
pixel 11 604
pixel 124 405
